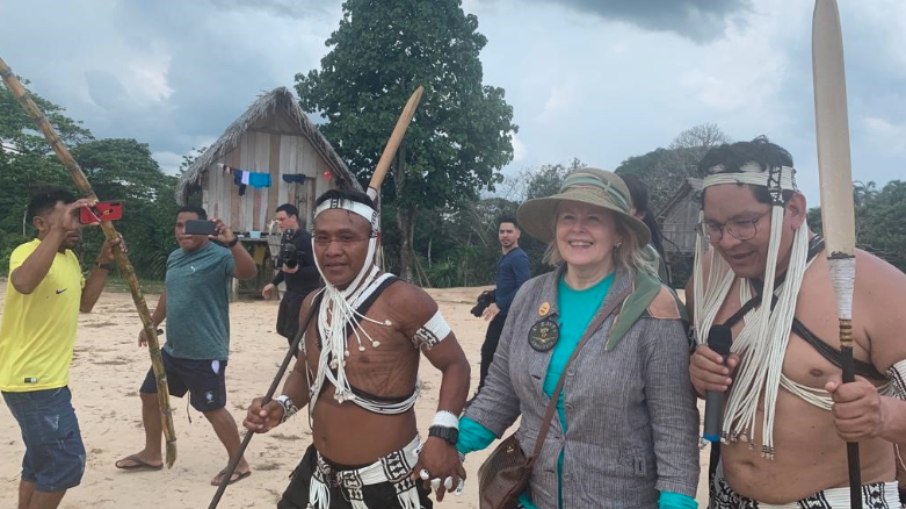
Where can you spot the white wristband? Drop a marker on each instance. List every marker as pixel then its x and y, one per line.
pixel 289 408
pixel 445 419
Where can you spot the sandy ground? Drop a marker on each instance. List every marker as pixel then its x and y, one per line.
pixel 109 367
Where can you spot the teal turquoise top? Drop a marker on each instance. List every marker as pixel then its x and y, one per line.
pixel 576 310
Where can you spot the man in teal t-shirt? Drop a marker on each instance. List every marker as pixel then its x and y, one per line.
pixel 195 304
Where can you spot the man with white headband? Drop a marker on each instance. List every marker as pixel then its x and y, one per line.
pixel 357 372
pixel 787 415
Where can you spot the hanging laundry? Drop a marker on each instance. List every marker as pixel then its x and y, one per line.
pixel 259 180
pixel 294 177
pixel 237 179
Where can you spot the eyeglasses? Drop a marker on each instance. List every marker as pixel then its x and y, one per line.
pixel 740 229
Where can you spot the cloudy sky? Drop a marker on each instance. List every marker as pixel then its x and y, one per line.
pixel 600 80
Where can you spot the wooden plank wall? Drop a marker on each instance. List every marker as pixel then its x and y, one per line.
pixel 679 226
pixel 273 153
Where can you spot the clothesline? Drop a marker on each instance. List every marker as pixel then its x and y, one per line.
pixel 244 178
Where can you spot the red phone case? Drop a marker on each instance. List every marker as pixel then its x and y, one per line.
pixel 102 211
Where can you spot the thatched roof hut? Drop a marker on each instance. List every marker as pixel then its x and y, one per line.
pixel 677 220
pixel 273 137
pixel 679 216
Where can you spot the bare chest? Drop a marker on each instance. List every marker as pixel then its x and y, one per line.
pixel 378 357
pixel 817 317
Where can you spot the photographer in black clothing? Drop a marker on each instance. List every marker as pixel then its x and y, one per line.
pixel 296 266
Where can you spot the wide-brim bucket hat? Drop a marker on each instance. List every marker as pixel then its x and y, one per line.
pixel 600 188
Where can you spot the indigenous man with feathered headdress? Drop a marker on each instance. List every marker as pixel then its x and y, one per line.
pixel 357 372
pixel 787 414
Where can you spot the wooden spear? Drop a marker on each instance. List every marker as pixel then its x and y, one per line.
pixel 393 143
pixel 374 187
pixel 21 95
pixel 837 208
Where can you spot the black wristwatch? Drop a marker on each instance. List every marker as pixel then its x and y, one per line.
pixel 451 435
pixel 233 242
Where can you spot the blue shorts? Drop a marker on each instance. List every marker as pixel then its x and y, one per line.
pixel 54 453
pixel 204 380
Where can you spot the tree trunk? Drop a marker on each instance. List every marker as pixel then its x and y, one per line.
pixel 405 217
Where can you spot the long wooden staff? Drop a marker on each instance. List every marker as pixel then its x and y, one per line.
pixel 21 95
pixel 393 143
pixel 837 208
pixel 374 187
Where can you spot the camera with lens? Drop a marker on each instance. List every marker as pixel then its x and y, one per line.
pixel 486 298
pixel 289 255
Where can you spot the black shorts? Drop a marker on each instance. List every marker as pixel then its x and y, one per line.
pixel 204 380
pixel 381 495
pixel 288 314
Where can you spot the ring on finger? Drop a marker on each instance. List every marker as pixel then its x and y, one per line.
pixel 448 483
pixel 435 483
pixel 460 487
pixel 424 474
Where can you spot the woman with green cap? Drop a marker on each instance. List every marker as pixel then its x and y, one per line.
pixel 624 433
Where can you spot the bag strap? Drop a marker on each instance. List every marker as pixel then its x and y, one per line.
pixel 592 327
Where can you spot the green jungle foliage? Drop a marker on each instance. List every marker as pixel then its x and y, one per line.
pixel 118 169
pixel 462 132
pixel 454 242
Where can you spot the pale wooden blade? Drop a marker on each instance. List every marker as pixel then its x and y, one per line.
pixel 837 209
pixel 832 122
pixel 396 137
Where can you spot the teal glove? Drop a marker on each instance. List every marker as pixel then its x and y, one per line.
pixel 671 500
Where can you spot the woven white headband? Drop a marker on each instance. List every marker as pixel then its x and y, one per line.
pixel 355 207
pixel 783 177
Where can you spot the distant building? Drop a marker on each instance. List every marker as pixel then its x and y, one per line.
pixel 270 155
pixel 678 220
pixel 273 137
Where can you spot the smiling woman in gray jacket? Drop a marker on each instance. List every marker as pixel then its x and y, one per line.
pixel 625 430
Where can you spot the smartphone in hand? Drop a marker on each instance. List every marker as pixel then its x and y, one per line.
pixel 199 227
pixel 101 211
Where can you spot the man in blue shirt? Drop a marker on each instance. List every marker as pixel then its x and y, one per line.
pixel 513 269
pixel 195 304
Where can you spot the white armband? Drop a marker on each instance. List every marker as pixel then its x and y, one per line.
pixel 432 332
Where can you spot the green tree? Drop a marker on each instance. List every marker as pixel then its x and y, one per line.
pixel 662 170
pixel 26 162
pixel 883 228
pixel 880 220
pixel 118 169
pixel 123 169
pixel 462 132
pixel 17 130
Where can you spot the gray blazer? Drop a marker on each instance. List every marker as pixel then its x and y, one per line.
pixel 630 409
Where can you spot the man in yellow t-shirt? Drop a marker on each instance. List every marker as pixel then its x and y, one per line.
pixel 44 293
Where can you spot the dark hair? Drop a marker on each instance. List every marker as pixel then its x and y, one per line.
pixel 638 193
pixel 289 208
pixel 508 219
pixel 732 157
pixel 194 209
pixel 46 198
pixel 337 194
